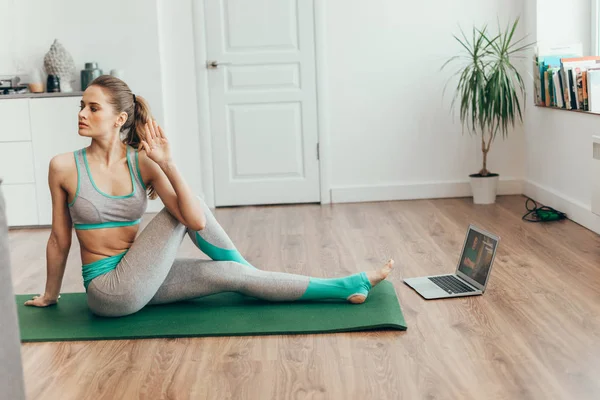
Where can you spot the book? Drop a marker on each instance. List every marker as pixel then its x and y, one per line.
pixel 547 87
pixel 593 82
pixel 573 84
pixel 537 83
pixel 560 89
pixel 566 88
pixel 579 75
pixel 557 93
pixel 585 93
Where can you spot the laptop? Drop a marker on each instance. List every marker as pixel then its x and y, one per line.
pixel 472 272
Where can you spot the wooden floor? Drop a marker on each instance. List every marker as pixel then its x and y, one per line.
pixel 534 334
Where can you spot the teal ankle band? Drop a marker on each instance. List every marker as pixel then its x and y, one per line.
pixel 337 288
pixel 219 254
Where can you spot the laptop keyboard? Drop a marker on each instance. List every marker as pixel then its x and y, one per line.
pixel 451 284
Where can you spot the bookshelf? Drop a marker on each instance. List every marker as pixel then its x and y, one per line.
pixel 566 80
pixel 564 109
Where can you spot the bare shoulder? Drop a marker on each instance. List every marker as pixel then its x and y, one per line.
pixel 62 163
pixel 62 168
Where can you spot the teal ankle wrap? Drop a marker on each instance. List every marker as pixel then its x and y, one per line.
pixel 219 254
pixel 337 288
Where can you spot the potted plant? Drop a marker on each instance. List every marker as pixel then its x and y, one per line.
pixel 489 90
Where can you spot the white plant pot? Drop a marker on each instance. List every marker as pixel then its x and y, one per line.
pixel 484 188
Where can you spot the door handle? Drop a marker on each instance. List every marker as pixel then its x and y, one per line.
pixel 214 64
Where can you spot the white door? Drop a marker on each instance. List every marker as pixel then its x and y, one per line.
pixel 263 107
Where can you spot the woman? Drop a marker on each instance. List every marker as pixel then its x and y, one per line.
pixel 103 191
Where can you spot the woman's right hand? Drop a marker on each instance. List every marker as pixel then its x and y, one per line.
pixel 41 301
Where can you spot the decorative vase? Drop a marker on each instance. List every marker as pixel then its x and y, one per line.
pixel 60 63
pixel 90 73
pixel 36 84
pixel 53 83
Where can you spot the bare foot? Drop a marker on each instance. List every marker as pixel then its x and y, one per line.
pixel 375 277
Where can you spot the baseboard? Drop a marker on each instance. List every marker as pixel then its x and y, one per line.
pixel 414 191
pixel 576 211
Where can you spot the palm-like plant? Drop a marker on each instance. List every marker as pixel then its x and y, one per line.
pixel 490 87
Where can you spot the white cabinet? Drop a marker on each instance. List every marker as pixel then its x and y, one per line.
pixel 54 130
pixel 32 131
pixel 14 120
pixel 16 163
pixel 21 204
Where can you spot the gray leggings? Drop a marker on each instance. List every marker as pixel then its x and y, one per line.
pixel 150 273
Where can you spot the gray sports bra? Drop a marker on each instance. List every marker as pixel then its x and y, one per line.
pixel 93 209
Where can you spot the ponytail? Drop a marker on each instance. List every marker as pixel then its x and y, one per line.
pixel 135 127
pixel 136 122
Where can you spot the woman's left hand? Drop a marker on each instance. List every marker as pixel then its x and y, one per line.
pixel 156 143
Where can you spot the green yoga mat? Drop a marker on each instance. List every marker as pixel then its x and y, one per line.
pixel 223 314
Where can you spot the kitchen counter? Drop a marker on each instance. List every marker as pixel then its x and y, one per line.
pixel 40 95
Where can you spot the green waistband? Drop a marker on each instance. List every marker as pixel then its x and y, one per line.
pixel 112 224
pixel 100 267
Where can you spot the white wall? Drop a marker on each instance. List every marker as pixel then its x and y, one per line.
pixel 150 41
pixel 392 135
pixel 557 24
pixel 559 143
pixel 180 101
pixel 116 34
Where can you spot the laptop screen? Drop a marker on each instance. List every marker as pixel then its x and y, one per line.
pixel 477 256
